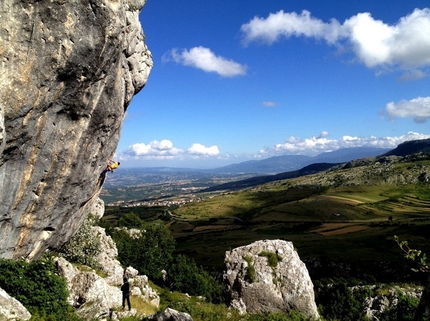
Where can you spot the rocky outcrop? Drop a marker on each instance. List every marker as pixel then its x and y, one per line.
pixel 172 315
pixel 12 309
pixel 268 276
pixel 96 297
pixel 375 306
pixel 69 72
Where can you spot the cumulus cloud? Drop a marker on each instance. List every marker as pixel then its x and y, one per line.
pixel 199 149
pixel 164 149
pixel 204 59
pixel 418 109
pixel 286 24
pixel 375 43
pixel 315 145
pixel 153 149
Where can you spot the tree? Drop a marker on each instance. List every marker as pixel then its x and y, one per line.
pixel 37 285
pixel 84 246
pixel 150 252
pixel 185 276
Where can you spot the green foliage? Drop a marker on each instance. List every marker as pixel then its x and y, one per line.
pixel 152 251
pixel 131 220
pixel 204 311
pixel 84 246
pixel 185 276
pixel 290 316
pixel 414 255
pixel 404 310
pixel 272 258
pixel 38 287
pixel 251 276
pixel 149 253
pixel 336 301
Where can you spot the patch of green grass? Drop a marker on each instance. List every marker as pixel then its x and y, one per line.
pixel 250 270
pixel 272 258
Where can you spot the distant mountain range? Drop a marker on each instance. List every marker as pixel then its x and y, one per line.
pixel 340 157
pixel 280 164
pixel 273 168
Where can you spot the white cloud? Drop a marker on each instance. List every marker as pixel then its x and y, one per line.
pixel 164 149
pixel 323 134
pixel 418 109
pixel 199 149
pixel 289 24
pixel 204 59
pixel 315 145
pixel 269 104
pixel 153 149
pixel 375 43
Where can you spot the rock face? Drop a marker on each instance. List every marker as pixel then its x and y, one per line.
pixel 268 276
pixel 69 69
pixel 96 297
pixel 12 309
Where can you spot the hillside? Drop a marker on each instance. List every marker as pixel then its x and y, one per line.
pixel 284 163
pixel 349 212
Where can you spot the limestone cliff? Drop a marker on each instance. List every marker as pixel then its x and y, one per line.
pixel 69 69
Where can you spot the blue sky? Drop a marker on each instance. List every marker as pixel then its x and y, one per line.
pixel 245 80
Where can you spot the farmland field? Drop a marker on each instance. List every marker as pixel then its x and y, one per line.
pixel 338 215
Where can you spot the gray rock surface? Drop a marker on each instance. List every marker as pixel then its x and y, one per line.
pixel 172 315
pixel 12 309
pixel 99 298
pixel 277 288
pixel 69 70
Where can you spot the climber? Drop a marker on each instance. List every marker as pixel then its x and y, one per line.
pixel 112 165
pixel 109 168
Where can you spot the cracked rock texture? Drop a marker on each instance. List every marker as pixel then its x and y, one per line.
pixel 69 69
pixel 257 286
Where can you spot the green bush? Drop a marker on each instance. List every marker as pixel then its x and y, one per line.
pixel 38 287
pixel 84 246
pixel 149 253
pixel 251 276
pixel 335 301
pixel 185 276
pixel 290 316
pixel 404 310
pixel 131 220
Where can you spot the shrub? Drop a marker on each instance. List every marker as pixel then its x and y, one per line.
pixel 336 301
pixel 404 310
pixel 38 287
pixel 131 220
pixel 290 316
pixel 84 246
pixel 149 253
pixel 184 275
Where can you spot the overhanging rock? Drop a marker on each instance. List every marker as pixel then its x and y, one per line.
pixel 69 69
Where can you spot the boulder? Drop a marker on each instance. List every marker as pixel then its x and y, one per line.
pixel 12 309
pixel 69 70
pixel 172 315
pixel 268 276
